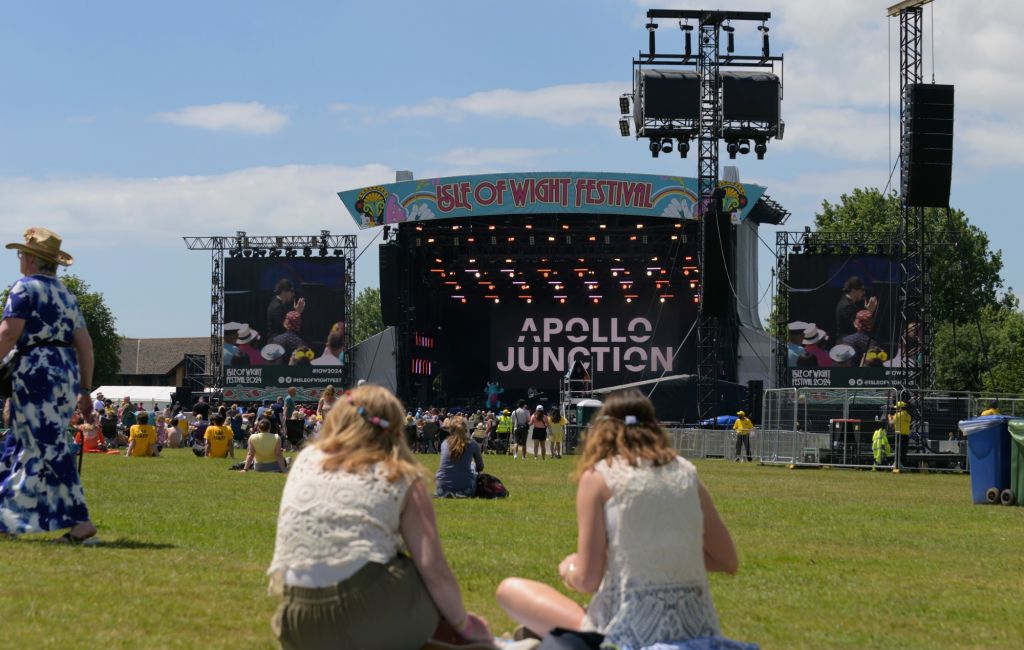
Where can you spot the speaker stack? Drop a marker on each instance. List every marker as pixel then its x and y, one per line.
pixel 927 147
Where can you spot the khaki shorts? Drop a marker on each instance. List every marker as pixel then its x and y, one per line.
pixel 381 606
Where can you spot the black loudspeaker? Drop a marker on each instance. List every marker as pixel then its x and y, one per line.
pixel 755 398
pixel 927 148
pixel 717 269
pixel 751 97
pixel 667 95
pixel 389 284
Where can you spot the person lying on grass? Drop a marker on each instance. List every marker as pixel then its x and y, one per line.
pixel 648 533
pixel 264 454
pixel 352 499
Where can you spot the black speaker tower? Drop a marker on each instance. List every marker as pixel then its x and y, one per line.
pixel 927 148
pixel 389 285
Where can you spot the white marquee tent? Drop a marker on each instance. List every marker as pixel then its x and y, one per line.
pixel 150 396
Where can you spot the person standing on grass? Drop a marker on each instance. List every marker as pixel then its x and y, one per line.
pixel 40 489
pixel 539 423
pixel 353 499
pixel 218 438
pixel 142 437
pixel 556 429
pixel 901 427
pixel 742 426
pixel 648 533
pixel 520 429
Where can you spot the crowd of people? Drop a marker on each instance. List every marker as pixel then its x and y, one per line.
pixel 357 557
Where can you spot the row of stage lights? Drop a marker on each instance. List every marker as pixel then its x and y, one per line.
pixel 540 238
pixel 284 252
pixel 548 277
pixel 732 146
pixel 811 247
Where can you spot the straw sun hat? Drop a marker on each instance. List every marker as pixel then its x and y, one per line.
pixel 44 244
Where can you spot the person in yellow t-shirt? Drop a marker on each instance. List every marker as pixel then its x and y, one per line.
pixel 218 438
pixel 142 437
pixel 901 426
pixel 742 426
pixel 264 453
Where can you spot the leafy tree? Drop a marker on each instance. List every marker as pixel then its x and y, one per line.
pixel 366 315
pixel 965 271
pixel 102 328
pixel 983 355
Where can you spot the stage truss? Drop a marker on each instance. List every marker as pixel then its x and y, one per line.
pixel 244 245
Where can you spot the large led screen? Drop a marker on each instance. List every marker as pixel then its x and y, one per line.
pixel 844 327
pixel 284 326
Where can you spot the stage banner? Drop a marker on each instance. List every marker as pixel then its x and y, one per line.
pixel 284 325
pixel 868 377
pixel 534 347
pixel 673 197
pixel 852 333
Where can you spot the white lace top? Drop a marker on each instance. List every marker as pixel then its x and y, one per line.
pixel 335 520
pixel 655 587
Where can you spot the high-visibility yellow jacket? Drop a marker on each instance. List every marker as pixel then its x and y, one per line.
pixel 901 422
pixel 880 447
pixel 504 424
pixel 742 426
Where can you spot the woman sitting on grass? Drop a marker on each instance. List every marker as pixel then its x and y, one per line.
pixel 264 453
pixel 648 534
pixel 455 475
pixel 352 499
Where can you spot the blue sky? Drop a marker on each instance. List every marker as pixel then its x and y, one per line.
pixel 126 126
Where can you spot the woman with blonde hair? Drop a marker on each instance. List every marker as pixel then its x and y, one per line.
pixel 264 450
pixel 648 533
pixel 352 499
pixel 455 474
pixel 323 407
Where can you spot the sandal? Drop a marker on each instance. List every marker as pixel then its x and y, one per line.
pixel 68 538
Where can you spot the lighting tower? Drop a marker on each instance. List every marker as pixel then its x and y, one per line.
pixel 664 109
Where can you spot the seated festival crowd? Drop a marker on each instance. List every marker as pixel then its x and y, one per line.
pixel 357 533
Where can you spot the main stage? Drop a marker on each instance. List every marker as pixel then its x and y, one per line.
pixel 510 278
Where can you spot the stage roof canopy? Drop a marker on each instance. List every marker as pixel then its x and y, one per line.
pixel 453 197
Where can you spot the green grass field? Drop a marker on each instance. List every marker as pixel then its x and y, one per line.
pixel 829 558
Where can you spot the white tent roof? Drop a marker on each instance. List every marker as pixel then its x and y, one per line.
pixel 148 395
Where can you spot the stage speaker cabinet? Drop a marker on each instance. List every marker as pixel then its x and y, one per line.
pixel 389 284
pixel 927 147
pixel 667 95
pixel 751 97
pixel 755 398
pixel 718 253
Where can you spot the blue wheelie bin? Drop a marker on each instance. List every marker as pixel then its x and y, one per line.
pixel 988 453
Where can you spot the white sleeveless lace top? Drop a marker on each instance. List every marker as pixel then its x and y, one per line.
pixel 335 519
pixel 655 588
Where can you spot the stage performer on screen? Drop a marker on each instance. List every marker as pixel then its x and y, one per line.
pixel 851 302
pixel 493 391
pixel 283 302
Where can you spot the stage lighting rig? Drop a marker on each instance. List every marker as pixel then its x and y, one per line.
pixel 760 148
pixel 730 38
pixel 732 148
pixel 666 145
pixel 684 147
pixel 765 49
pixel 624 104
pixel 655 148
pixel 744 147
pixel 624 127
pixel 687 38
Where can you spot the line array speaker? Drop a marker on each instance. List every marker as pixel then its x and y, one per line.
pixel 927 148
pixel 389 284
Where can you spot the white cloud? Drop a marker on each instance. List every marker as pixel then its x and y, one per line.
pixel 235 117
pixel 100 211
pixel 477 160
pixel 565 105
pixel 340 107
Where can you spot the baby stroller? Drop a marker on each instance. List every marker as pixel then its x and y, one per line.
pixel 499 444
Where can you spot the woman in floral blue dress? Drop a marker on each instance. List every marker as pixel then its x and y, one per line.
pixel 39 485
